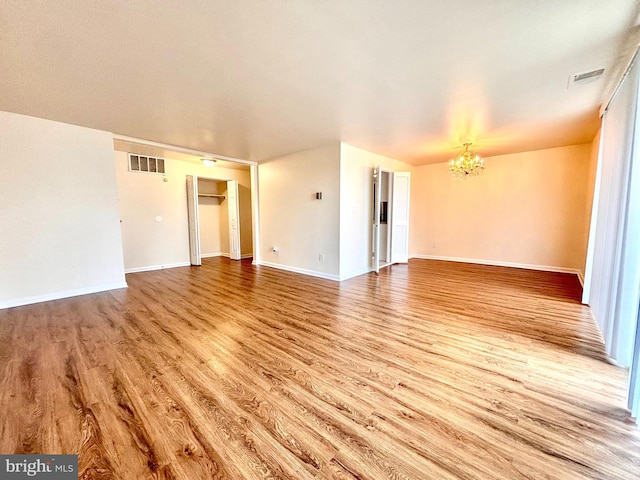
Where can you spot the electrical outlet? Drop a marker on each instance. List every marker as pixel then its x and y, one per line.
pixel 276 250
pixel 321 257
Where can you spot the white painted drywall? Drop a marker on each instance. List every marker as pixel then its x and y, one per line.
pixel 293 220
pixel 149 244
pixel 59 222
pixel 356 203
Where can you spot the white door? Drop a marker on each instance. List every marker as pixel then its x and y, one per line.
pixel 375 240
pixel 234 220
pixel 194 227
pixel 400 218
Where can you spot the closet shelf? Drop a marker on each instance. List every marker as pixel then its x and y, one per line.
pixel 211 195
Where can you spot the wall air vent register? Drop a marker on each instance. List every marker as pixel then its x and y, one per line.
pixel 144 163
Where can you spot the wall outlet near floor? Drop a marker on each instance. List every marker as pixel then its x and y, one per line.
pixel 321 257
pixel 276 250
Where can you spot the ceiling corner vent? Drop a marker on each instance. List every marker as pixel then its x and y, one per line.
pixel 586 77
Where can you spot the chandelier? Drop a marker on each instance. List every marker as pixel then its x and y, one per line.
pixel 467 164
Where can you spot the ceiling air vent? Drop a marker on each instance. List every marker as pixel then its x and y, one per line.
pixel 144 163
pixel 586 77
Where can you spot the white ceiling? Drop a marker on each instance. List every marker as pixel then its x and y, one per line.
pixel 256 79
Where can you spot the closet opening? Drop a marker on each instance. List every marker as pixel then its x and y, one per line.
pixel 219 217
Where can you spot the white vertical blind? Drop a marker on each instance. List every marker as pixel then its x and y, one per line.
pixel 608 273
pixel 630 274
pixel 626 314
pixel 634 377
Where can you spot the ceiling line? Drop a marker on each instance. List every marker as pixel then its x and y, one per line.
pixel 175 148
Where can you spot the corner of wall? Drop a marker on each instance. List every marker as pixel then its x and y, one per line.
pixel 65 225
pixel 533 209
pixel 306 230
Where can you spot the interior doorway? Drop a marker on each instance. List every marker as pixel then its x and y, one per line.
pixel 390 222
pixel 213 207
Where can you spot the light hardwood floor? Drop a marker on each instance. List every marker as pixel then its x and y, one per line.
pixel 431 370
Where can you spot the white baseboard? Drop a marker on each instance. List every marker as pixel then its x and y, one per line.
pixel 497 263
pixel 150 268
pixel 17 302
pixel 356 274
pixel 222 254
pixel 211 255
pixel 303 271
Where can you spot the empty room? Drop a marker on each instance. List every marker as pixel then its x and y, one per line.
pixel 319 239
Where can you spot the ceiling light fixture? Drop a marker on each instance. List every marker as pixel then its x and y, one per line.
pixel 208 162
pixel 467 164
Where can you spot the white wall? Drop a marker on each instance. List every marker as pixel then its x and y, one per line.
pixel 149 244
pixel 59 216
pixel 356 203
pixel 526 209
pixel 293 220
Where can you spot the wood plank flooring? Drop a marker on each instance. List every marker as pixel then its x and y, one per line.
pixel 431 370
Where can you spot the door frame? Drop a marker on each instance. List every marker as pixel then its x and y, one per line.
pixel 375 221
pixel 397 245
pixel 376 182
